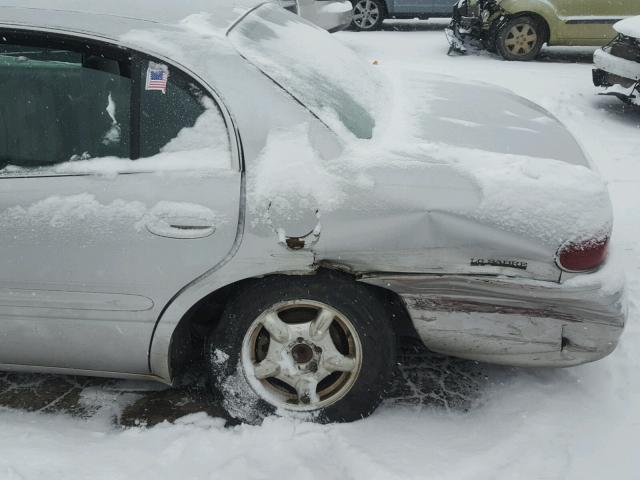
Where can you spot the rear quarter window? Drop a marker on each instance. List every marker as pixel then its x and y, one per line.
pixel 325 76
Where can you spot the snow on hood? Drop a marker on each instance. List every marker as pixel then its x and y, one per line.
pixel 629 27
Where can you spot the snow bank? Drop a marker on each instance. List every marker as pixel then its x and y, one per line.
pixel 196 447
pixel 559 424
pixel 629 27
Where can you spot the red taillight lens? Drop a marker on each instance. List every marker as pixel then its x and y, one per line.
pixel 582 256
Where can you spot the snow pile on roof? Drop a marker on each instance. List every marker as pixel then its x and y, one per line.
pixel 158 11
pixel 629 27
pixel 193 38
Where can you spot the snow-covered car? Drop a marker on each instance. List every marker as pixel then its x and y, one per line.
pixel 235 185
pixel 617 65
pixel 332 15
pixel 517 29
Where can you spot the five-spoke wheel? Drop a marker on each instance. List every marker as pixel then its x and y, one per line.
pixel 305 354
pixel 319 345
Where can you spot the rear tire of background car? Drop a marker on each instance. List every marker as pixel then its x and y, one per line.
pixel 520 38
pixel 317 347
pixel 368 15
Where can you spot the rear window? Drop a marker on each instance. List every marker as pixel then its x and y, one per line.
pixel 325 76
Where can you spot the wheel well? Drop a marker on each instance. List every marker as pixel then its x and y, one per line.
pixel 187 342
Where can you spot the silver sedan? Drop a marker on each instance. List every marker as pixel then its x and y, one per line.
pixel 225 181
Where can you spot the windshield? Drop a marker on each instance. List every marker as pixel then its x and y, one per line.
pixel 315 68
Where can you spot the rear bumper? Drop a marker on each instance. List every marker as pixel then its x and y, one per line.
pixel 332 15
pixel 515 322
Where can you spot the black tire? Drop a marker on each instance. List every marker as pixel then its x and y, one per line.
pixel 363 15
pixel 520 38
pixel 364 310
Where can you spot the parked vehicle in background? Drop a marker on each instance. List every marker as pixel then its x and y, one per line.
pixel 238 187
pixel 369 14
pixel 332 15
pixel 517 29
pixel 617 65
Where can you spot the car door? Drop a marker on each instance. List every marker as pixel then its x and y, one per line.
pixel 119 185
pixel 592 20
pixel 413 7
pixel 442 7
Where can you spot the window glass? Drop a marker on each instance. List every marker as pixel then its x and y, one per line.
pixel 173 115
pixel 68 106
pixel 58 105
pixel 324 75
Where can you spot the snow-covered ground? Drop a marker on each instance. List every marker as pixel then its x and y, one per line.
pixel 581 422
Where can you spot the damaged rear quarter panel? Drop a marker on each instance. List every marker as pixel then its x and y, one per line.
pixel 410 225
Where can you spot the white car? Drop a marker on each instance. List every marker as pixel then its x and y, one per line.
pixel 617 65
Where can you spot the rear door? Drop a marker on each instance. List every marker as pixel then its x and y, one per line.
pixel 119 185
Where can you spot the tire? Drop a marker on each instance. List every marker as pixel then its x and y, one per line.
pixel 356 376
pixel 368 15
pixel 520 38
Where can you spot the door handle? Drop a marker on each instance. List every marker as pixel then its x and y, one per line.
pixel 181 227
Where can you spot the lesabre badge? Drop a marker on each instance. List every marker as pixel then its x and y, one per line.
pixel 157 77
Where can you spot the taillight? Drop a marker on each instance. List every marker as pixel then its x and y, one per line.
pixel 583 256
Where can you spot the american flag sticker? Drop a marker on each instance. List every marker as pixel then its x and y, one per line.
pixel 157 77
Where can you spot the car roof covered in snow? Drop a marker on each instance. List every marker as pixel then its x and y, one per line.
pixel 114 14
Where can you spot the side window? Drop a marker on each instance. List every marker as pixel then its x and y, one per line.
pixel 176 114
pixel 58 105
pixel 64 100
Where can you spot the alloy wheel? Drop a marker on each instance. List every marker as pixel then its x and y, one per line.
pixel 366 14
pixel 302 355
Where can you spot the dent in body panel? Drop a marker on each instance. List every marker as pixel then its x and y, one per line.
pixel 515 322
